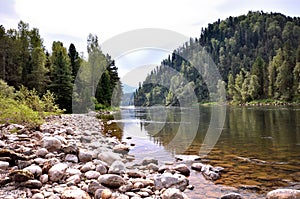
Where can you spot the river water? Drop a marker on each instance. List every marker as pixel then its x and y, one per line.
pixel 259 147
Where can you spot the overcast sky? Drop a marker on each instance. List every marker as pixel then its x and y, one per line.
pixel 70 21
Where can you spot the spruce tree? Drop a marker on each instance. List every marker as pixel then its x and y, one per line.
pixel 61 76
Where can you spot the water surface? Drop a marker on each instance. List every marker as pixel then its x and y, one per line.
pixel 259 147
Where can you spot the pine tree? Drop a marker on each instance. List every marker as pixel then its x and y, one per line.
pixel 61 76
pixel 75 60
pixel 38 78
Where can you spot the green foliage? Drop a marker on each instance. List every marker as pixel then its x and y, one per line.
pixel 255 55
pixel 11 111
pixel 25 106
pixel 97 77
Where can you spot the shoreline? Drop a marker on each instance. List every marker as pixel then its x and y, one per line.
pixel 68 157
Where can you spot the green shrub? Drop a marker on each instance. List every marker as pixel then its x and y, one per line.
pixel 11 111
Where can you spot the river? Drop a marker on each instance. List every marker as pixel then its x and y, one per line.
pixel 259 147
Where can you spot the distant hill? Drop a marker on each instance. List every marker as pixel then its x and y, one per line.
pixel 128 89
pixel 257 55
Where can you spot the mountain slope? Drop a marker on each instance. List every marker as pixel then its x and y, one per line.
pixel 257 55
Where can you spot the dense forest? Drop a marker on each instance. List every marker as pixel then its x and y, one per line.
pixel 257 55
pixel 25 63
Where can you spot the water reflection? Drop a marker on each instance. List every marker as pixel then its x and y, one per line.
pixel 259 146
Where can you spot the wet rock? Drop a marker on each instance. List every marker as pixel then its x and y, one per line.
pixel 168 180
pixel 92 175
pixel 21 175
pixel 187 157
pixel 182 169
pixel 71 158
pixel 33 184
pixel 85 156
pixel 152 167
pixel 284 194
pixel 74 193
pixel 118 167
pixel 52 143
pixel 35 170
pixel 173 193
pixel 111 180
pixel 109 157
pixel 121 148
pixel 149 160
pixel 57 172
pixel 232 196
pixel 197 166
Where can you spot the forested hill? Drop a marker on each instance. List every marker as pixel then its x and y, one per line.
pixel 25 63
pixel 258 57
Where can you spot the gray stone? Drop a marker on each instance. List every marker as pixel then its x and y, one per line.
pixel 182 169
pixel 284 194
pixel 74 193
pixel 85 156
pixel 4 165
pixel 33 184
pixel 71 158
pixel 111 180
pixel 52 143
pixel 109 157
pixel 101 169
pixel 88 167
pixel 35 170
pixel 92 175
pixel 57 172
pixel 93 186
pixel 135 174
pixel 168 180
pixel 44 178
pixel 75 179
pixel 118 167
pixel 38 196
pixel 232 196
pixel 149 160
pixel 121 148
pixel 152 167
pixel 197 166
pixel 173 193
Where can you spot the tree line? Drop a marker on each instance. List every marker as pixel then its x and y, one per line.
pixel 257 55
pixel 24 61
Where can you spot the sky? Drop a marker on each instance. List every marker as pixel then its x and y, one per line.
pixel 70 21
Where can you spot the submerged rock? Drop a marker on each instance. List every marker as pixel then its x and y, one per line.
pixel 168 180
pixel 284 194
pixel 232 196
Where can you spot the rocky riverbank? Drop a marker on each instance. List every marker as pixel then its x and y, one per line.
pixel 69 158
